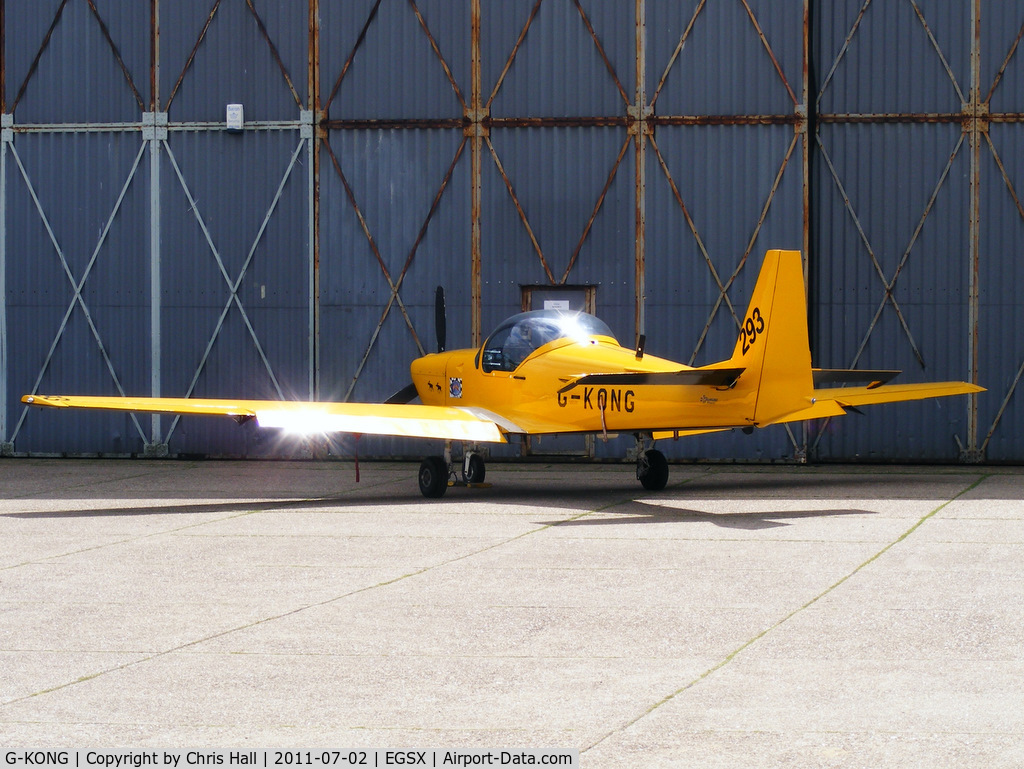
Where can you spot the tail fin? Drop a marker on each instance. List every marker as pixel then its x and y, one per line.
pixel 773 344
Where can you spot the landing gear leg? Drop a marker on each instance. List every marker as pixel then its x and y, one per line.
pixel 439 472
pixel 473 468
pixel 651 466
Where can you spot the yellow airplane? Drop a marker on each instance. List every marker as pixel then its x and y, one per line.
pixel 547 372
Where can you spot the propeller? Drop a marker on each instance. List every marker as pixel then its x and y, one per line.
pixel 408 393
pixel 440 324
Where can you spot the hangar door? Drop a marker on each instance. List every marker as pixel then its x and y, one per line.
pixel 650 150
pixel 148 250
pixel 918 224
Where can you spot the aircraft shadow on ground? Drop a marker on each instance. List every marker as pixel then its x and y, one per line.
pixel 643 513
pixel 617 499
pixel 610 505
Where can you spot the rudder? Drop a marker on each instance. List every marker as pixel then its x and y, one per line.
pixel 773 345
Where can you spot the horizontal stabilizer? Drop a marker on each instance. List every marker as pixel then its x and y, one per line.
pixel 707 377
pixel 867 396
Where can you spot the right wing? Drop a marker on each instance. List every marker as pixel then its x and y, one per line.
pixel 402 420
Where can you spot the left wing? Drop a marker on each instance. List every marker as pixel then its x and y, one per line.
pixel 403 420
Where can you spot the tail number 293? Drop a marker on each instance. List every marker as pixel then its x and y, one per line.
pixel 751 329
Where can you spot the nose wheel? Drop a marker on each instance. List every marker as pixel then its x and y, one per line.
pixel 473 469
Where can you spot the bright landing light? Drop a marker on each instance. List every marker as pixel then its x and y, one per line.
pixel 298 422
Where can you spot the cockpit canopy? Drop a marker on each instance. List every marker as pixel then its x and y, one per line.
pixel 514 340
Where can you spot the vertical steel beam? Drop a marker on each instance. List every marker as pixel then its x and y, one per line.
pixel 971 454
pixel 155 136
pixel 639 126
pixel 7 136
pixel 803 128
pixel 154 55
pixel 156 443
pixel 476 116
pixel 155 293
pixel 313 164
pixel 3 57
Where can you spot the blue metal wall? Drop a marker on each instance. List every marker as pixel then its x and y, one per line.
pixel 652 149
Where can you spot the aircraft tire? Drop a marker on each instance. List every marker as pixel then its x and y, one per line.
pixel 477 470
pixel 433 477
pixel 652 470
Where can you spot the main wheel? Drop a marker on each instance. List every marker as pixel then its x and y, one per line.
pixel 476 470
pixel 433 477
pixel 652 470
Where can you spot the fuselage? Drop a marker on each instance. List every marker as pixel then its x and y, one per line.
pixel 531 390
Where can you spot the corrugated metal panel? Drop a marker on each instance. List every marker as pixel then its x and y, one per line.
pixel 1001 276
pixel 51 341
pixel 725 176
pixel 710 59
pixel 265 257
pixel 395 177
pixel 893 58
pixel 214 54
pixel 66 63
pixel 894 186
pixel 563 45
pixel 729 177
pixel 379 63
pixel 721 193
pixel 1001 273
pixel 557 176
pixel 1001 66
